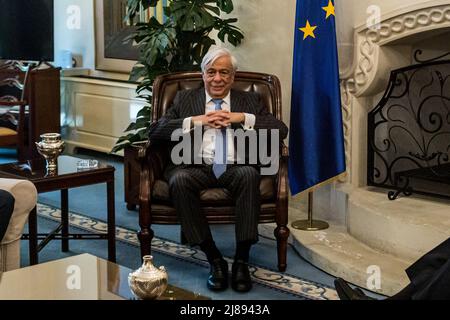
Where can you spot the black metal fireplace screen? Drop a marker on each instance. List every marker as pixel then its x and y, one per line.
pixel 409 132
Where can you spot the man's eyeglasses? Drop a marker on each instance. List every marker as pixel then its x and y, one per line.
pixel 224 74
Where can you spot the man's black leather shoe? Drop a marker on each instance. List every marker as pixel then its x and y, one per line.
pixel 240 277
pixel 345 292
pixel 218 275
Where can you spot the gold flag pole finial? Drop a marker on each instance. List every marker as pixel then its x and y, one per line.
pixel 310 224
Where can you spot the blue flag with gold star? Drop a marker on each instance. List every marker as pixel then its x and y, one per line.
pixel 316 142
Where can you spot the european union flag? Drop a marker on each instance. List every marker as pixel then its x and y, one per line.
pixel 316 143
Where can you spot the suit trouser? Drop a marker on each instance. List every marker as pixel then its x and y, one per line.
pixel 430 275
pixel 185 185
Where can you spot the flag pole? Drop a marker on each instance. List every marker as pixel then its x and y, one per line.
pixel 310 224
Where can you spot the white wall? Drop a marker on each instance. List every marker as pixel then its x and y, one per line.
pixel 268 44
pixel 81 42
pixel 386 7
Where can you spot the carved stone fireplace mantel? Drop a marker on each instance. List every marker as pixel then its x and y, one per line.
pixel 368 230
pixel 380 50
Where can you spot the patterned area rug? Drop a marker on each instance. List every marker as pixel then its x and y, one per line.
pixel 286 283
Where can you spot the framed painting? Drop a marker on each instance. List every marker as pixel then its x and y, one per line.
pixel 113 52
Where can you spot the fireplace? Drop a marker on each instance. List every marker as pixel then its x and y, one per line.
pixel 409 132
pixel 382 156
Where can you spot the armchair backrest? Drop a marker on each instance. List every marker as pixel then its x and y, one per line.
pixel 166 86
pixel 10 89
pixel 14 88
pixel 13 82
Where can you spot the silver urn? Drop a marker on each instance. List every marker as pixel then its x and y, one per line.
pixel 148 282
pixel 50 147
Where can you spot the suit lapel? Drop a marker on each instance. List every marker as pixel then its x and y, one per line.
pixel 236 102
pixel 199 102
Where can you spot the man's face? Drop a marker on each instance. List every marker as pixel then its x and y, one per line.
pixel 219 77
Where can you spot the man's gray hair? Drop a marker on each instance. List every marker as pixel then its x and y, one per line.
pixel 215 54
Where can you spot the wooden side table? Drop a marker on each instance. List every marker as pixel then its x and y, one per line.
pixel 68 176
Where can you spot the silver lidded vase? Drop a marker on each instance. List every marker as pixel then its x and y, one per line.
pixel 50 147
pixel 148 282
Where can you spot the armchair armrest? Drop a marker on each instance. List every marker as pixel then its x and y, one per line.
pixel 152 158
pixel 282 186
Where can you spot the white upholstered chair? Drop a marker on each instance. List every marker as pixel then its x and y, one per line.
pixel 25 196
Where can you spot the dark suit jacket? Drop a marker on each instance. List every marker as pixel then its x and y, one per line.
pixel 430 275
pixel 6 210
pixel 188 103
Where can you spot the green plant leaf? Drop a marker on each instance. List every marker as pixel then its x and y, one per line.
pixel 134 7
pixel 131 127
pixel 191 15
pixel 149 3
pixel 119 147
pixel 226 29
pixel 225 5
pixel 137 72
pixel 155 41
pixel 125 138
pixel 144 112
pixel 142 135
pixel 142 123
pixel 213 9
pixel 201 48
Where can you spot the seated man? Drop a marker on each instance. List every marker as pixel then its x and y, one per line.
pixel 213 109
pixel 430 279
pixel 6 210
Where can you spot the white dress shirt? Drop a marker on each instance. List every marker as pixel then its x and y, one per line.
pixel 208 143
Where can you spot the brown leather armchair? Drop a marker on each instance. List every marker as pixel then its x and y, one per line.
pixel 154 199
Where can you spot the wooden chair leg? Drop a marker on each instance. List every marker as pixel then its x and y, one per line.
pixel 145 237
pixel 282 234
pixel 183 239
pixel 33 238
pixel 131 206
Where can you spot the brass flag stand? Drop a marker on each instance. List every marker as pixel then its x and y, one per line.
pixel 310 224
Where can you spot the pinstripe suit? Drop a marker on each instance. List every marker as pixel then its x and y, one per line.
pixel 186 181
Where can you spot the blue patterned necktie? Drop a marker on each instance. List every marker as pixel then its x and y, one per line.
pixel 220 154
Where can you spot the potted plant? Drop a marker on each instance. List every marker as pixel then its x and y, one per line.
pixel 179 43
